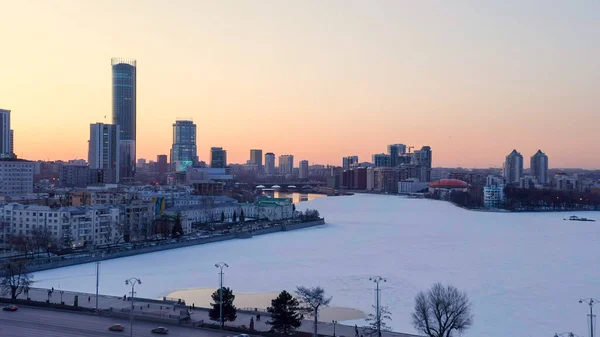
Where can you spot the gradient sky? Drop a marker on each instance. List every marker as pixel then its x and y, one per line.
pixel 317 79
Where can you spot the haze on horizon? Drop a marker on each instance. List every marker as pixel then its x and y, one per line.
pixel 317 79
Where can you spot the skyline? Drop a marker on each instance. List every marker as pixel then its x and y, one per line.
pixel 346 78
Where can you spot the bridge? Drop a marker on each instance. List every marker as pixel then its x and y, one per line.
pixel 299 184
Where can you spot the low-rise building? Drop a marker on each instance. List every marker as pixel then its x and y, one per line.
pixel 493 196
pixel 16 176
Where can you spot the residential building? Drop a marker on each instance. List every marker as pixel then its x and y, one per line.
pixel 493 192
pixel 12 144
pixel 385 179
pixel 183 151
pixel 394 151
pixel 513 168
pixel 303 172
pixel 161 163
pixel 539 167
pixel 269 163
pixel 527 182
pixel 5 134
pixel 381 160
pixel 286 164
pixel 256 159
pixel 74 176
pixel 124 72
pixel 565 182
pixel 218 157
pixel 412 185
pixel 103 151
pixel 16 176
pixel 423 160
pixel 349 162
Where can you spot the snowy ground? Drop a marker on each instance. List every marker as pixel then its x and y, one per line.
pixel 524 272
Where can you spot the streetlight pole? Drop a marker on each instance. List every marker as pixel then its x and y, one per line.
pixel 132 281
pixel 377 280
pixel 98 282
pixel 61 293
pixel 334 323
pixel 221 265
pixel 591 302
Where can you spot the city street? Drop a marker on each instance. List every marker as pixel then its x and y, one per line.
pixel 33 322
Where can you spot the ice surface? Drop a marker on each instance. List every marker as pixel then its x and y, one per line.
pixel 524 272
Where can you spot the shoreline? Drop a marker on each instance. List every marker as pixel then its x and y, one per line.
pixel 201 297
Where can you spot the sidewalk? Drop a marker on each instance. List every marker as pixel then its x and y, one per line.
pixel 170 309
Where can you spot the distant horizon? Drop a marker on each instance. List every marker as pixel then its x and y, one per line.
pixel 320 80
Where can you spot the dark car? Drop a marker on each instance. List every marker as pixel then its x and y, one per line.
pixel 161 330
pixel 116 327
pixel 10 308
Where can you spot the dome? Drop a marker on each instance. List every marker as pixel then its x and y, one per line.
pixel 260 186
pixel 275 186
pixel 448 183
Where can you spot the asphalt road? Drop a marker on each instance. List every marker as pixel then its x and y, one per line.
pixel 33 322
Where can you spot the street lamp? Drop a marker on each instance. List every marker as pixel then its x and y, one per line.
pixel 61 293
pixel 590 302
pixel 98 282
pixel 221 265
pixel 334 323
pixel 133 282
pixel 377 280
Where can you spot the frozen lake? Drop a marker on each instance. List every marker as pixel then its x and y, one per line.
pixel 524 272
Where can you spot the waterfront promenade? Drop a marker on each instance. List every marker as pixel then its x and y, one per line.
pixel 169 312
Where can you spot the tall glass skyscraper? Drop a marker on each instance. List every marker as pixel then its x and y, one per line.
pixel 183 151
pixel 124 114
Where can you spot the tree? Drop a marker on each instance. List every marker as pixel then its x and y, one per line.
pixel 42 239
pixel 285 313
pixel 242 216
pixel 384 317
pixel 313 299
pixel 14 279
pixel 234 217
pixel 222 216
pixel 441 311
pixel 22 244
pixel 229 310
pixel 177 227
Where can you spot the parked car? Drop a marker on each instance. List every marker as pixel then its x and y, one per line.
pixel 10 308
pixel 116 327
pixel 161 330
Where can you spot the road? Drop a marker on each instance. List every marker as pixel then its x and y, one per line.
pixel 33 322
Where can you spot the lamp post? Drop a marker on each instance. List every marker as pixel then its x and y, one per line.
pixel 334 323
pixel 97 282
pixel 221 265
pixel 61 293
pixel 377 280
pixel 591 302
pixel 133 282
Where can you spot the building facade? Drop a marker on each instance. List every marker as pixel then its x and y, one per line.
pixel 349 162
pixel 183 151
pixel 256 158
pixel 103 151
pixel 6 135
pixel 539 167
pixel 269 163
pixel 218 157
pixel 513 168
pixel 394 151
pixel 74 176
pixel 286 164
pixel 161 164
pixel 381 160
pixel 16 177
pixel 124 73
pixel 303 172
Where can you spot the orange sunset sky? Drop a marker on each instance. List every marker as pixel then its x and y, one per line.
pixel 317 79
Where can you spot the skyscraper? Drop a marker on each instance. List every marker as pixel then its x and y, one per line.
pixel 423 160
pixel 348 162
pixel 5 139
pixel 381 160
pixel 103 151
pixel 218 157
pixel 270 163
pixel 286 164
pixel 303 171
pixel 256 158
pixel 539 167
pixel 124 73
pixel 183 151
pixel 394 151
pixel 161 163
pixel 513 168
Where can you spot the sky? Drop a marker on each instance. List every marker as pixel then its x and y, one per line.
pixel 317 79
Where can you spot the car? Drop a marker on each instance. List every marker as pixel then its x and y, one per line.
pixel 10 308
pixel 116 327
pixel 161 330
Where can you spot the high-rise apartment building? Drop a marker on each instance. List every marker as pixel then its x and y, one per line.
pixel 103 150
pixel 286 164
pixel 513 168
pixel 350 161
pixel 16 176
pixel 161 163
pixel 183 151
pixel 124 72
pixel 381 160
pixel 12 143
pixel 303 171
pixel 539 167
pixel 270 163
pixel 423 160
pixel 256 158
pixel 5 134
pixel 218 157
pixel 394 151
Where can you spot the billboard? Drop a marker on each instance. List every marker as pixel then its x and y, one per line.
pixel 159 205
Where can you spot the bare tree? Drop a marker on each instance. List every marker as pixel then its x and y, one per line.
pixel 42 239
pixel 14 279
pixel 371 320
pixel 22 244
pixel 441 311
pixel 313 299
